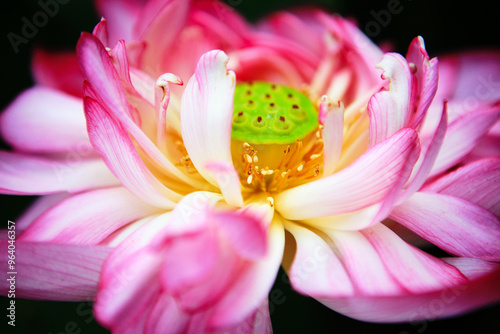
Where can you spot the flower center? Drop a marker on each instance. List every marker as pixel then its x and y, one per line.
pixel 275 139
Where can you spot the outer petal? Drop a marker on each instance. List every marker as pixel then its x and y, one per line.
pixel 413 269
pixel 45 120
pixel 55 272
pixel 23 174
pixel 462 136
pixel 39 206
pixel 58 70
pixel 119 153
pixel 482 289
pixel 361 261
pixel 476 182
pixel 206 113
pixel 316 270
pixel 366 182
pixel 453 224
pixel 105 211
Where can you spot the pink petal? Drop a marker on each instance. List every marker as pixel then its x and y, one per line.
pixel 206 113
pixel 316 270
pixel 159 20
pixel 472 77
pixel 166 317
pixel 476 182
pixel 462 135
pixel 261 64
pixel 249 290
pixel 362 261
pixel 120 16
pixel 120 155
pixel 24 174
pixel 55 272
pixel 105 211
pixel 105 85
pixel 57 70
pixel 365 182
pixel 244 233
pixel 127 289
pixel 428 154
pixel 259 322
pixel 45 120
pixel 413 269
pixel 101 31
pixel 483 289
pixel 426 76
pixel 39 206
pixel 453 224
pixel 389 110
pixel 300 26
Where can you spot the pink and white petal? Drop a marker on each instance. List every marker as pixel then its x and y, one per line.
pixel 39 206
pixel 251 287
pixel 316 270
pixel 453 224
pixel 413 269
pixel 127 289
pixel 24 175
pixel 44 120
pixel 472 76
pixel 361 260
pixel 55 272
pixel 106 211
pixel 365 182
pixel 426 75
pixel 57 70
pixel 261 64
pixel 101 31
pixel 120 14
pixel 389 110
pixel 166 317
pixel 159 20
pixel 300 26
pixel 481 290
pixel 228 180
pixel 332 119
pixel 244 233
pixel 223 24
pixel 476 182
pixel 206 113
pixel 462 136
pixel 105 85
pixel 120 155
pixel 259 322
pixel 430 150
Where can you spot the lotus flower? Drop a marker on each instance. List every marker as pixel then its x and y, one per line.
pixel 209 152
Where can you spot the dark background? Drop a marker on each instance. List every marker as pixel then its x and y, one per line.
pixel 447 26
